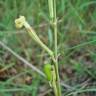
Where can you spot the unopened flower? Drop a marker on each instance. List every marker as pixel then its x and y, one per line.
pixel 19 22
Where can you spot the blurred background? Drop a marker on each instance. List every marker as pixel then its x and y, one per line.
pixel 76 47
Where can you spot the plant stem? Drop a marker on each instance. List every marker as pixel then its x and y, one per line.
pixel 20 22
pixel 53 20
pixel 36 38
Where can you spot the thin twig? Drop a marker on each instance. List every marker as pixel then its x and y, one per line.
pixel 68 87
pixel 22 59
pixel 45 93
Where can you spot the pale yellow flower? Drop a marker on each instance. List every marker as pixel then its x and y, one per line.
pixel 19 22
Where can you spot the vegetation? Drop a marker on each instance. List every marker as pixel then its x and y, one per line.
pixel 22 61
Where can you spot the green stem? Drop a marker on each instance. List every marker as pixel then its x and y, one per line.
pixel 36 38
pixel 53 20
pixel 56 49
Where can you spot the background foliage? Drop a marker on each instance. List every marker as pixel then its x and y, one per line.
pixel 76 47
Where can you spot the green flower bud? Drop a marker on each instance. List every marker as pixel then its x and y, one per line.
pixel 47 71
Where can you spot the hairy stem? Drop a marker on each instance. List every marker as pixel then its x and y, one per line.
pixel 20 22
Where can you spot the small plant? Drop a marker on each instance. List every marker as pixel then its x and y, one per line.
pixel 51 70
